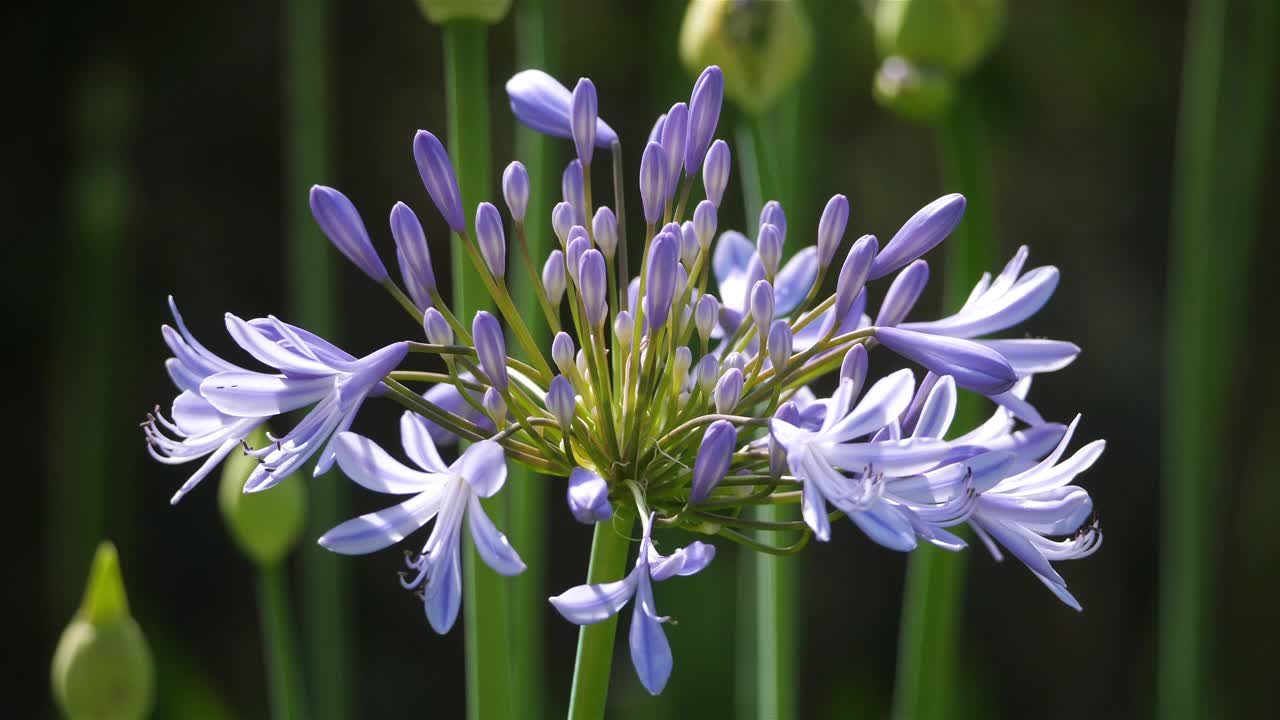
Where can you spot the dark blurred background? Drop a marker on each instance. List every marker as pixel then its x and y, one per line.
pixel 143 156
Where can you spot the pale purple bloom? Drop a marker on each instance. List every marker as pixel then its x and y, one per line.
pixel 590 604
pixel 588 497
pixel 975 367
pixel 714 457
pixel 673 141
pixel 921 233
pixel 438 177
pixel 414 257
pixel 574 190
pixel 661 285
pixel 553 281
pixel 583 119
pixel 593 283
pixel 543 105
pixel 491 239
pixel 728 390
pixel 903 294
pixel 653 182
pixel 715 172
pixel 704 115
pixel 561 401
pixel 443 493
pixel 737 268
pixel 515 190
pixel 831 226
pixel 491 348
pixel 341 223
pixel 605 228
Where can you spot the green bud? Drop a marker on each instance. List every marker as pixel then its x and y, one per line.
pixel 102 669
pixel 951 35
pixel 266 524
pixel 916 93
pixel 763 47
pixel 439 12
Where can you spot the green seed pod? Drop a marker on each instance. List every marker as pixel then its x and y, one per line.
pixel 102 669
pixel 266 524
pixel 916 93
pixel 439 12
pixel 951 35
pixel 763 47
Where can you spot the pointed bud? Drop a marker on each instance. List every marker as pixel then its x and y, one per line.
pixel 787 413
pixel 769 248
pixel 673 139
pixel 562 350
pixel 974 366
pixel 515 190
pixel 436 328
pixel 706 315
pixel 438 177
pixel 704 115
pixel 920 234
pixel 573 189
pixel 562 219
pixel 661 283
pixel 588 497
pixel 707 373
pixel 761 306
pixel 835 218
pixel 681 297
pixel 903 294
pixel 265 525
pixel 491 348
pixel 583 114
pixel 496 406
pixel 715 454
pixel 579 244
pixel 733 360
pixel 491 239
pixel 680 366
pixel 854 366
pixel 780 342
pixel 580 360
pixel 605 228
pixel 853 274
pixel 623 327
pixel 653 182
pixel 103 667
pixel 704 223
pixel 593 284
pixel 728 391
pixel 715 171
pixel 553 277
pixel 688 243
pixel 340 222
pixel 542 104
pixel 773 214
pixel 414 257
pixel 655 133
pixel 561 402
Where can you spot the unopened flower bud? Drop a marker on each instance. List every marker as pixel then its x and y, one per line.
pixel 515 190
pixel 853 274
pixel 975 367
pixel 787 413
pixel 673 139
pixel 574 190
pixel 491 348
pixel 491 239
pixel 605 228
pixel 715 171
pixel 854 366
pixel 562 219
pixel 561 401
pixel 583 113
pixel 496 406
pixel 780 343
pixel 436 327
pixel 680 366
pixel 761 306
pixel 593 279
pixel 438 177
pixel 835 218
pixel 707 373
pixel 688 243
pixel 704 114
pixel 580 361
pixel 553 277
pixel 341 223
pixel 773 214
pixel 704 223
pixel 623 327
pixel 660 290
pixel 414 257
pixel 706 315
pixel 653 182
pixel 728 391
pixel 734 360
pixel 579 244
pixel 588 497
pixel 903 294
pixel 921 233
pixel 265 525
pixel 103 667
pixel 562 350
pixel 715 454
pixel 542 104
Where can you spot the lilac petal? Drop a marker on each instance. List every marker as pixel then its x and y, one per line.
pixel 250 394
pixel 206 359
pixel 1059 511
pixel 443 594
pixel 884 401
pixel 1023 549
pixel 491 544
pixel 1060 474
pixel 265 350
pixel 367 372
pixel 446 397
pixel 589 604
pixel 341 223
pixel 729 262
pixel 416 440
pixel 887 525
pixel 650 652
pixel 673 142
pixel 543 105
pixel 588 497
pixel 196 416
pixel 286 335
pixel 583 111
pixel 897 457
pixel 975 367
pixel 938 486
pixel 903 294
pixel 924 230
pixel 813 506
pixel 484 466
pixel 369 465
pixel 653 182
pixel 381 529
pixel 1006 309
pixel 795 279
pixel 938 411
pixel 686 561
pixel 838 405
pixel 704 114
pixel 1031 356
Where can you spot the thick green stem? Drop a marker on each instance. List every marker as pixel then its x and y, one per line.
pixel 1226 101
pixel 927 641
pixel 284 679
pixel 594 661
pixel 486 595
pixel 311 285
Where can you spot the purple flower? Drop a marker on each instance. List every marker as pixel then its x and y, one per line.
pixel 414 257
pixel 574 190
pixel 436 328
pixel 443 493
pixel 737 268
pixel 761 306
pixel 578 245
pixel 562 351
pixel 438 177
pixel 924 230
pixel 704 115
pixel 563 217
pixel 515 190
pixel 593 282
pixel 773 214
pixel 583 119
pixel 780 344
pixel 553 281
pixel 605 228
pixel 728 390
pixel 447 397
pixel 975 367
pixel 561 401
pixel 491 239
pixel 835 218
pixel 854 272
pixel 903 294
pixel 769 248
pixel 715 172
pixel 543 105
pixel 491 348
pixel 590 604
pixel 661 287
pixel 588 497
pixel 338 218
pixel 673 141
pixel 704 223
pixel 653 182
pixel 714 457
pixel 705 315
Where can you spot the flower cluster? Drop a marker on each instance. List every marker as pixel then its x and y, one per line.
pixel 658 398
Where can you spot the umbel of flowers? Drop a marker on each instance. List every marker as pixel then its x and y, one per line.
pixel 664 395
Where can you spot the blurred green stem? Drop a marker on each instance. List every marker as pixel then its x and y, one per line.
pixel 311 283
pixel 1222 135
pixel 486 595
pixel 594 660
pixel 770 580
pixel 926 674
pixel 284 683
pixel 526 496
